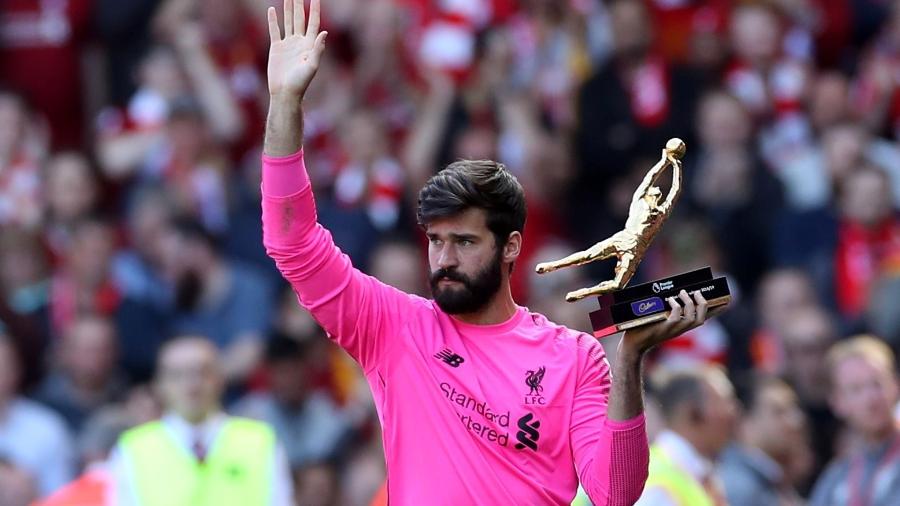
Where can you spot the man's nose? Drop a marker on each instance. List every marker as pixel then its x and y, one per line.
pixel 447 257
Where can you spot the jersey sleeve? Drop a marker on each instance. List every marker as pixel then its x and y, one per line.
pixel 612 458
pixel 358 312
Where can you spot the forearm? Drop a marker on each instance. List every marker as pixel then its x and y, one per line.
pixel 356 310
pixel 420 150
pixel 218 102
pixel 284 126
pixel 626 399
pixel 609 439
pixel 119 156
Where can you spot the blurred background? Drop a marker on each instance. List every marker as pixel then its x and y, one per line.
pixel 130 140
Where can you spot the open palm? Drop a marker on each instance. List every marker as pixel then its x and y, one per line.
pixel 294 58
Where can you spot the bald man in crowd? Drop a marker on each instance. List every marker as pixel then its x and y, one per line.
pixel 197 455
pixel 700 412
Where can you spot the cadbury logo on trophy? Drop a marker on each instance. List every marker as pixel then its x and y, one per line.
pixel 623 308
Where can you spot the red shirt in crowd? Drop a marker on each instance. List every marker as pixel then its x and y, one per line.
pixel 40 57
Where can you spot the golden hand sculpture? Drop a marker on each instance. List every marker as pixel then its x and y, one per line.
pixel 645 217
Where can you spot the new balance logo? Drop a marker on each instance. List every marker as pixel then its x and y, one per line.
pixel 528 434
pixel 449 358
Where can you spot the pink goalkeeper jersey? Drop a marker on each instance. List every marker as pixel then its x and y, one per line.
pixel 511 414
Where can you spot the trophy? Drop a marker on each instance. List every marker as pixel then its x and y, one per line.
pixel 621 307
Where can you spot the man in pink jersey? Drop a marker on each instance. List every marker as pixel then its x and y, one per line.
pixel 481 400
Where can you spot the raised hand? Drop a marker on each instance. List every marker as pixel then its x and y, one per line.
pixel 294 58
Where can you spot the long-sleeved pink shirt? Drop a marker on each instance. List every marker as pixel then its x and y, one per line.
pixel 513 413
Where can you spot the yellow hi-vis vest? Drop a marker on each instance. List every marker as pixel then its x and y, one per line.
pixel 237 470
pixel 680 486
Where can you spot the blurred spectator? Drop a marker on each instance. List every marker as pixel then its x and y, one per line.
pixel 227 301
pixel 764 76
pixel 367 197
pixel 628 108
pixel 732 189
pixel 242 243
pixel 756 470
pixel 829 101
pixel 72 192
pixel 149 464
pixel 864 391
pixel 811 172
pixel 190 166
pixel 124 30
pixel 138 269
pixel 42 54
pixel 869 235
pixel 226 38
pixel 881 317
pixel 686 245
pixel 21 151
pixel 805 339
pixel 16 486
pixel 847 249
pixel 364 475
pixel 700 411
pixel 328 367
pixel 782 294
pixel 25 293
pixel 399 264
pixel 101 431
pixel 125 135
pixel 306 421
pixel 544 291
pixel 84 377
pixel 317 485
pixel 33 438
pixel 84 284
pixel 877 92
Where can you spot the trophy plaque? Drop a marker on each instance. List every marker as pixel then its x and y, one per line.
pixel 621 307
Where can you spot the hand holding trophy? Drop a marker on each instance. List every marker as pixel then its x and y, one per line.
pixel 623 308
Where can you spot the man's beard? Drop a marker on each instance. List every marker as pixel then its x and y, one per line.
pixel 475 292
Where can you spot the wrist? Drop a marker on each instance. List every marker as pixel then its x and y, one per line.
pixel 288 101
pixel 628 355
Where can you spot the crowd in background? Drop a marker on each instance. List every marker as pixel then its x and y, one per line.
pixel 130 140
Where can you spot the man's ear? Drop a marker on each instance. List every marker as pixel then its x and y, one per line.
pixel 513 247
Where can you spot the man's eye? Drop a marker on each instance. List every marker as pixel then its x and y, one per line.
pixel 435 241
pixel 465 242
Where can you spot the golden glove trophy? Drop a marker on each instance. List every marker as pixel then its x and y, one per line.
pixel 623 308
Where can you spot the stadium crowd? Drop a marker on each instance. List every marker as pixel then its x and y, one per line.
pixel 130 141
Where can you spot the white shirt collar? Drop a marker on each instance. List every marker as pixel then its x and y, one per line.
pixel 187 433
pixel 684 455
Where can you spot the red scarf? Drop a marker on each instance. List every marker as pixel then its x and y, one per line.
pixel 861 254
pixel 65 305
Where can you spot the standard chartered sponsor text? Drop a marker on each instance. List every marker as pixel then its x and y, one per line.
pixel 480 410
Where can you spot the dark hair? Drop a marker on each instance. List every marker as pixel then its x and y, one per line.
pixel 751 386
pixel 282 348
pixel 92 220
pixel 482 184
pixel 190 228
pixel 682 388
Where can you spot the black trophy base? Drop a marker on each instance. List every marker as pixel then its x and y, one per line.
pixel 646 303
